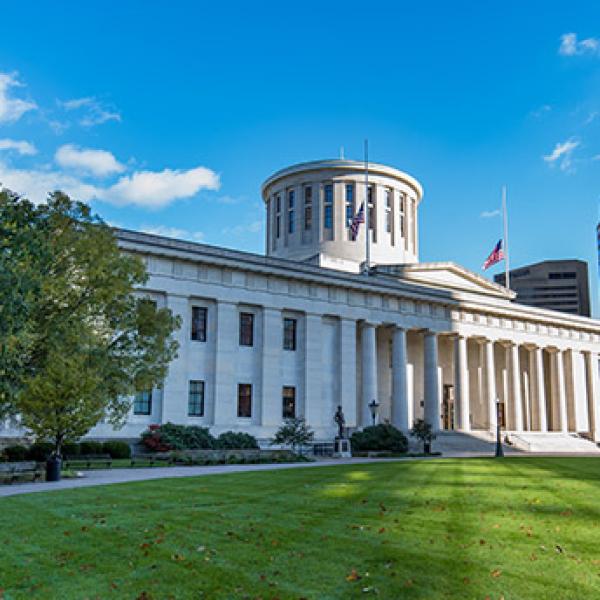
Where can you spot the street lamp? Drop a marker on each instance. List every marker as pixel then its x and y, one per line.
pixel 499 451
pixel 373 406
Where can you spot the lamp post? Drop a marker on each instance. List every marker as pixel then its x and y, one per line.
pixel 499 451
pixel 373 406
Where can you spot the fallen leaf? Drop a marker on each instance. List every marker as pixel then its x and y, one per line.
pixel 496 573
pixel 354 576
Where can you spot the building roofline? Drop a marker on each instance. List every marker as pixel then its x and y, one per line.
pixel 343 164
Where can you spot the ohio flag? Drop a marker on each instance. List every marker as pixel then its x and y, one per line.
pixel 495 256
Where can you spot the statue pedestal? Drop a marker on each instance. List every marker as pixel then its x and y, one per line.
pixel 341 448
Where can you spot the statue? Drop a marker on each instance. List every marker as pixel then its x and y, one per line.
pixel 340 421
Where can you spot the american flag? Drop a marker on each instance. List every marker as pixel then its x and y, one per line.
pixel 358 218
pixel 495 257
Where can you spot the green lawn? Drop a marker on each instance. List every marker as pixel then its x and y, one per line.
pixel 512 528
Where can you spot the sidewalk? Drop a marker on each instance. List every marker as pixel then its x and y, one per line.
pixel 109 476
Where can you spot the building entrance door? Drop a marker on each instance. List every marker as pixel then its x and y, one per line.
pixel 448 407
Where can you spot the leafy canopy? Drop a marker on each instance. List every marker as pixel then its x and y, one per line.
pixel 75 339
pixel 295 433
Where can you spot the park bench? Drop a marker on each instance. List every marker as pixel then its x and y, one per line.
pixel 87 461
pixel 151 458
pixel 11 472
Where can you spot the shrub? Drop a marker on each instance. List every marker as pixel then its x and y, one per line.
pixel 232 440
pixel 383 437
pixel 15 453
pixel 295 433
pixel 116 449
pixel 40 451
pixel 71 449
pixel 162 438
pixel 91 447
pixel 423 432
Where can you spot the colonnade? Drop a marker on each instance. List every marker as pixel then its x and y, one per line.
pixel 538 388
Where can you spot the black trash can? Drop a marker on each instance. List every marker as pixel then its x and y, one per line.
pixel 53 464
pixel 427 447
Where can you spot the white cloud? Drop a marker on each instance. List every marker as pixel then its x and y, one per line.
pixel 22 147
pixel 36 184
pixel 591 117
pixel 96 162
pixel 570 46
pixel 489 214
pixel 562 154
pixel 12 109
pixel 155 189
pixel 541 112
pixel 94 111
pixel 146 189
pixel 254 227
pixel 173 232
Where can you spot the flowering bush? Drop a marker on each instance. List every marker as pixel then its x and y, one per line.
pixel 162 438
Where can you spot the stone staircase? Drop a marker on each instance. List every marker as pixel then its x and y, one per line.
pixel 459 443
pixel 553 442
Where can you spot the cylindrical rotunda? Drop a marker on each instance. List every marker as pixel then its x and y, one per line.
pixel 310 207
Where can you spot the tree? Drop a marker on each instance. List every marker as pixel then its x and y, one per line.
pixel 423 432
pixel 295 433
pixel 88 341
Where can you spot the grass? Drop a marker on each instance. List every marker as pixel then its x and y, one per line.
pixel 441 528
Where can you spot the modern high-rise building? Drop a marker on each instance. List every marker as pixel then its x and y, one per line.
pixel 555 284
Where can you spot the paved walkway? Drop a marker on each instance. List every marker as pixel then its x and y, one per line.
pixel 109 476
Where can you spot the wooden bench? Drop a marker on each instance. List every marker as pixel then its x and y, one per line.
pixel 11 472
pixel 87 461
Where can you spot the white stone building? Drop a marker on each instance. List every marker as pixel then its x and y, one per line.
pixel 301 330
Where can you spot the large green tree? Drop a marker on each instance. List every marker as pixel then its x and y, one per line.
pixel 77 340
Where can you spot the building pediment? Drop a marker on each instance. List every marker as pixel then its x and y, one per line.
pixel 446 275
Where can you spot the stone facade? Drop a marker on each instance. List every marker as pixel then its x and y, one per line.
pixel 425 340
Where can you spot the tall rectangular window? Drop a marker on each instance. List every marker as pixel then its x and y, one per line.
pixel 244 400
pixel 388 210
pixel 196 399
pixel 246 329
pixel 371 203
pixel 307 208
pixel 328 206
pixel 349 203
pixel 289 334
pixel 198 324
pixel 142 403
pixel 278 216
pixel 291 210
pixel 402 224
pixel 289 402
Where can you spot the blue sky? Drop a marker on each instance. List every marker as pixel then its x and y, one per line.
pixel 168 116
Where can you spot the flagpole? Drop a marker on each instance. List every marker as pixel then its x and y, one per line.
pixel 506 255
pixel 367 224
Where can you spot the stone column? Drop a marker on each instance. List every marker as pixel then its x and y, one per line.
pixel 174 395
pixel 369 370
pixel 490 378
pixel 594 392
pixel 516 387
pixel 582 423
pixel 431 381
pixel 561 391
pixel 313 366
pixel 462 384
pixel 399 381
pixel 540 387
pixel 225 396
pixel 268 405
pixel 347 350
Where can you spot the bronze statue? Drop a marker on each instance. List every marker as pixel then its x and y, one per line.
pixel 340 421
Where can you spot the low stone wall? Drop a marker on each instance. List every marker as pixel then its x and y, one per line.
pixel 217 455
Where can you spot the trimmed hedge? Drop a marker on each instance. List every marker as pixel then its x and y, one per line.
pixel 167 437
pixel 236 441
pixel 382 438
pixel 40 451
pixel 15 453
pixel 71 449
pixel 116 449
pixel 90 447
